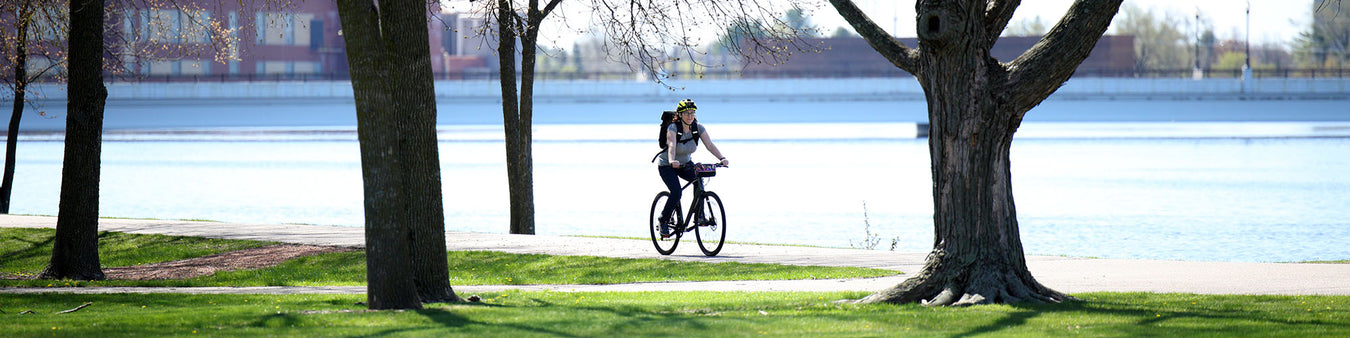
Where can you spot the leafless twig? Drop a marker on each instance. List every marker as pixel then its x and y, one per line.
pixel 77 308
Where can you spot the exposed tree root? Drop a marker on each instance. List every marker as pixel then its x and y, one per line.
pixel 450 297
pixel 974 284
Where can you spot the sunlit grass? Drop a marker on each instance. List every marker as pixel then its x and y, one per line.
pixel 348 268
pixel 513 314
pixel 661 313
pixel 23 251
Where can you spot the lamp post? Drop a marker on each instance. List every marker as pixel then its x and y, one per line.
pixel 1196 73
pixel 1248 38
pixel 1247 63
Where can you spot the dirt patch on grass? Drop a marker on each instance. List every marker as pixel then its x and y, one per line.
pixel 254 258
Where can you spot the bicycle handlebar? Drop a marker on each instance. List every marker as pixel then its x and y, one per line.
pixel 719 164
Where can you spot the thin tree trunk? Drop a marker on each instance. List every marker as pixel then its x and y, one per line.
pixel 517 161
pixel 406 38
pixel 526 134
pixel 75 249
pixel 12 142
pixel 20 90
pixel 389 276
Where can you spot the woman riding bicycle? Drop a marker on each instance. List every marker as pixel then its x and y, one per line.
pixel 682 138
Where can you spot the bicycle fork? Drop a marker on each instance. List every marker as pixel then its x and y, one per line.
pixel 697 217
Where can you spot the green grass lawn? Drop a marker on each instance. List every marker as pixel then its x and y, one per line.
pixel 513 314
pixel 26 252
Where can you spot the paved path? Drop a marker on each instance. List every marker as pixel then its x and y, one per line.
pixel 1071 275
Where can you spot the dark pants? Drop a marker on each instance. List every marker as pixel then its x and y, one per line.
pixel 671 176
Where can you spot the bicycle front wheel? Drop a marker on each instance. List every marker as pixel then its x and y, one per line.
pixel 711 229
pixel 664 244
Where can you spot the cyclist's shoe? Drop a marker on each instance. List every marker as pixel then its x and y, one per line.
pixel 666 229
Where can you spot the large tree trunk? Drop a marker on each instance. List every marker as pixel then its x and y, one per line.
pixel 977 255
pixel 20 90
pixel 515 124
pixel 407 39
pixel 389 277
pixel 975 105
pixel 75 249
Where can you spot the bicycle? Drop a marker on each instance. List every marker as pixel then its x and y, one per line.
pixel 706 217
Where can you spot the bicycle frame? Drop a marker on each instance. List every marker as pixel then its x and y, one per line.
pixel 695 205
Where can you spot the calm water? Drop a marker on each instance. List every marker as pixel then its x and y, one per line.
pixel 1115 190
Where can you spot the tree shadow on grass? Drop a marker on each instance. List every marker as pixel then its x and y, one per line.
pixel 34 248
pixel 448 318
pixel 629 319
pixel 1144 319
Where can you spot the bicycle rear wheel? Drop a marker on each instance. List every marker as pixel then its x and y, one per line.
pixel 711 229
pixel 664 245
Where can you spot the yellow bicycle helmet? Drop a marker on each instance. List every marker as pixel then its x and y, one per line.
pixel 686 104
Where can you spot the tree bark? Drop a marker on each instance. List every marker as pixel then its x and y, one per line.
pixel 975 105
pixel 75 249
pixel 407 39
pixel 20 90
pixel 515 123
pixel 389 276
pixel 12 135
pixel 518 108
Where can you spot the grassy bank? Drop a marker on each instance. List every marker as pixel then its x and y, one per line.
pixel 514 314
pixel 25 252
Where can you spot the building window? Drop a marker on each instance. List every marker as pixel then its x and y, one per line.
pixel 275 67
pixel 163 26
pixel 281 29
pixel 232 50
pixel 196 30
pixel 260 23
pixel 302 25
pixel 290 29
pixel 174 26
pixel 306 67
pixel 162 68
pixel 194 67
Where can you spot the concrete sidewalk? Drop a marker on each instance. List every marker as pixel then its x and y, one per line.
pixel 1070 275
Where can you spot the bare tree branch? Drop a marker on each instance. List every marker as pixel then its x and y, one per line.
pixel 77 308
pixel 1040 71
pixel 997 16
pixel 548 8
pixel 896 52
pixel 648 35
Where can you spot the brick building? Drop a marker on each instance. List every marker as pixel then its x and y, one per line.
pixel 251 43
pixel 304 42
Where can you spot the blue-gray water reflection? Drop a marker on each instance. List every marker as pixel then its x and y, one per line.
pixel 1196 180
pixel 1224 199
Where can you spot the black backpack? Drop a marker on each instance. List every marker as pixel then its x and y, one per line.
pixel 668 118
